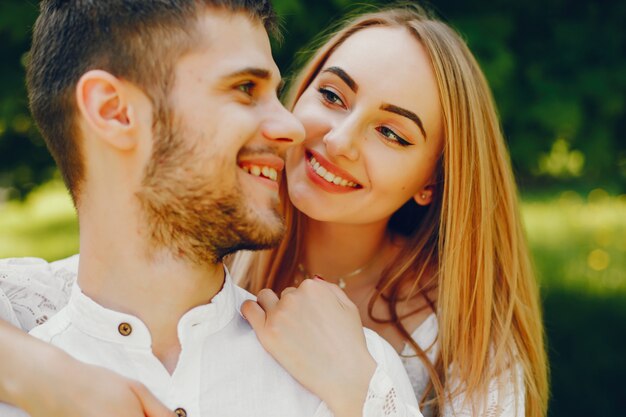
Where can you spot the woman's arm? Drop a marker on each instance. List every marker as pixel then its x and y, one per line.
pixel 41 379
pixel 315 333
pixel 33 290
pixel 46 382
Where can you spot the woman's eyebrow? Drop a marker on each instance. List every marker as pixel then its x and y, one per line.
pixel 344 76
pixel 406 113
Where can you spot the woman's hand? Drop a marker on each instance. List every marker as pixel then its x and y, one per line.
pixel 315 333
pixel 46 382
pixel 90 391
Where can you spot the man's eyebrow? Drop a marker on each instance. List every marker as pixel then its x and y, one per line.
pixel 406 113
pixel 344 76
pixel 251 72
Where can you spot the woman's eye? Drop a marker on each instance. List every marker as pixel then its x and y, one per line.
pixel 393 136
pixel 246 88
pixel 330 97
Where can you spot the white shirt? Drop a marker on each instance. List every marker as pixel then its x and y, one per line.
pixel 222 370
pixel 502 398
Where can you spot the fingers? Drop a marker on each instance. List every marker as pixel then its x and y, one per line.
pixel 255 315
pixel 337 292
pixel 287 291
pixel 267 299
pixel 151 406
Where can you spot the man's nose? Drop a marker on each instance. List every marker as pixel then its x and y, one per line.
pixel 283 127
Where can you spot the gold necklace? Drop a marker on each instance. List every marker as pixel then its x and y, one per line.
pixel 341 281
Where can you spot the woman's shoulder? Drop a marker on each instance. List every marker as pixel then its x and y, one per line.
pixel 505 396
pixel 34 289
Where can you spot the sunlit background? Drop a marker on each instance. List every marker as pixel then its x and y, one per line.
pixel 558 71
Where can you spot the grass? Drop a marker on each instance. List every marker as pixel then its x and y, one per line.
pixel 579 243
pixel 579 247
pixel 44 225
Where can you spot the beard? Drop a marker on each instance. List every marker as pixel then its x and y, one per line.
pixel 191 210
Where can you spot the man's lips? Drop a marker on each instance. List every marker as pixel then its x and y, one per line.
pixel 329 172
pixel 265 166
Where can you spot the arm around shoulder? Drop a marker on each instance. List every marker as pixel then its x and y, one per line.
pixel 46 382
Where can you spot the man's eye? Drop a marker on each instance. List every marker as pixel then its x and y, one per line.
pixel 330 97
pixel 246 88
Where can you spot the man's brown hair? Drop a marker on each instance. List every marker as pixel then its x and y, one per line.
pixel 135 40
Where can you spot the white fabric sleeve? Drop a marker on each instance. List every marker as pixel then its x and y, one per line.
pixel 32 290
pixel 506 398
pixel 383 399
pixel 390 393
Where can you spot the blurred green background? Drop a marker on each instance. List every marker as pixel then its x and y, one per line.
pixel 558 71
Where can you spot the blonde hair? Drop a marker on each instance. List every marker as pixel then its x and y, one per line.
pixel 469 243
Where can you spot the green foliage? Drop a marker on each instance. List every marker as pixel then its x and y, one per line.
pixel 43 225
pixel 24 160
pixel 579 243
pixel 586 338
pixel 558 71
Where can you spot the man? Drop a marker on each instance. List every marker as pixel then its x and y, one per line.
pixel 155 111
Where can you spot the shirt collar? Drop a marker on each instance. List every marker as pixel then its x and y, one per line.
pixel 116 327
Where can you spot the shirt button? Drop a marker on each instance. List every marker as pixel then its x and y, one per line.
pixel 180 412
pixel 125 329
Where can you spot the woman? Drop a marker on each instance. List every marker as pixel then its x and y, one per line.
pixel 403 195
pixel 428 243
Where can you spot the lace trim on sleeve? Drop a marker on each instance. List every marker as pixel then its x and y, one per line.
pixel 505 398
pixel 382 399
pixel 35 290
pixel 6 309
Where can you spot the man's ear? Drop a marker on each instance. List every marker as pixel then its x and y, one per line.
pixel 103 102
pixel 425 196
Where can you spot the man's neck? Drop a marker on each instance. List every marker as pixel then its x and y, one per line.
pixel 116 274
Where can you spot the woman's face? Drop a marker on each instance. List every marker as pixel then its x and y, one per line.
pixel 374 131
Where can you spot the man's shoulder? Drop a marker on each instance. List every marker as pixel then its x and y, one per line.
pixel 242 294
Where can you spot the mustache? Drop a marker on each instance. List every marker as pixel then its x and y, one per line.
pixel 257 150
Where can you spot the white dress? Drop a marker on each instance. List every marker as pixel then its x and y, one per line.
pixel 32 290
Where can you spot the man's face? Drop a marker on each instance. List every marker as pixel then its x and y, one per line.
pixel 211 186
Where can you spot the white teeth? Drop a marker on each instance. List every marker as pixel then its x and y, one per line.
pixel 329 176
pixel 257 171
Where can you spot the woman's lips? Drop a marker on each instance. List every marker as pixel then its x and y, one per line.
pixel 328 176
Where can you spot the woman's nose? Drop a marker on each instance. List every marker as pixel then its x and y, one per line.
pixel 342 140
